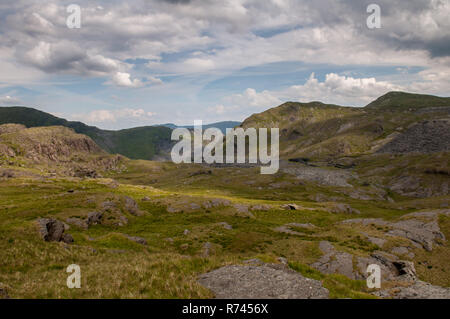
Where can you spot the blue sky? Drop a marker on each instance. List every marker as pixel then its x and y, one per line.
pixel 146 62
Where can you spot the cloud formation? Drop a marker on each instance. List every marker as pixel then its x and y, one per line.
pixel 168 50
pixel 113 116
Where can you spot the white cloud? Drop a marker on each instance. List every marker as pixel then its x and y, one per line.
pixel 334 89
pixel 339 89
pixel 124 79
pixel 9 100
pixel 254 99
pixel 113 116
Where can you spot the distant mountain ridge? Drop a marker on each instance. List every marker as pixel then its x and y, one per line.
pixel 220 125
pixel 136 143
pixel 312 130
pixel 326 131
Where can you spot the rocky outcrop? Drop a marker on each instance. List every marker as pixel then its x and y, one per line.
pixel 53 230
pixel 340 208
pixel 321 176
pixel 421 228
pixel 132 207
pixel 425 137
pixel 137 239
pixel 334 261
pixel 417 290
pixel 261 282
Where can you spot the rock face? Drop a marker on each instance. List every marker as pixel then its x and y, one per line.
pixel 53 230
pixel 339 208
pixel 421 228
pixel 333 261
pixel 94 218
pixel 425 137
pixel 354 267
pixel 418 290
pixel 132 207
pixel 321 176
pixel 77 222
pixel 137 239
pixel 261 282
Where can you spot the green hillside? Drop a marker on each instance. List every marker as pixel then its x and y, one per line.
pixel 403 100
pixel 325 132
pixel 137 143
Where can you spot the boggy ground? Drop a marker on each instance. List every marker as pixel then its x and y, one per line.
pixel 163 226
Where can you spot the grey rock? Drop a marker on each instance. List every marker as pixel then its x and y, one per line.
pixel 67 238
pixel 194 206
pixel 132 207
pixel 417 290
pixel 109 205
pixel 216 202
pixel 261 282
pixel 262 207
pixel 334 261
pixel 226 225
pixel 321 176
pixel 254 262
pixel 94 218
pixel 50 229
pixel 400 250
pixel 291 207
pixel 340 208
pixel 77 222
pixel 422 233
pixel 138 240
pixel 186 232
pixel 421 228
pixel 206 250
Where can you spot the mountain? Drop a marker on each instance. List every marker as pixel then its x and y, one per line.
pixel 325 131
pixel 404 101
pixel 146 142
pixel 54 149
pixel 220 125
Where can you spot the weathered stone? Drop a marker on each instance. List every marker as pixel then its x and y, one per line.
pixel 132 207
pixel 262 207
pixel 340 208
pixel 334 261
pixel 207 247
pixel 226 225
pixel 94 218
pixel 417 290
pixel 53 230
pixel 186 232
pixel 261 282
pixel 400 250
pixel 77 222
pixel 50 229
pixel 67 238
pixel 291 207
pixel 138 240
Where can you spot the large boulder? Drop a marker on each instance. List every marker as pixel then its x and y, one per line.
pixel 53 230
pixel 132 207
pixel 261 282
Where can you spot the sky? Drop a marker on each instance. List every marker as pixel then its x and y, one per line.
pixel 146 62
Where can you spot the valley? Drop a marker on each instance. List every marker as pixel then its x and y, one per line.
pixel 356 186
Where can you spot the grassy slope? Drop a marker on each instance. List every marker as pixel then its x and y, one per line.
pixel 321 131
